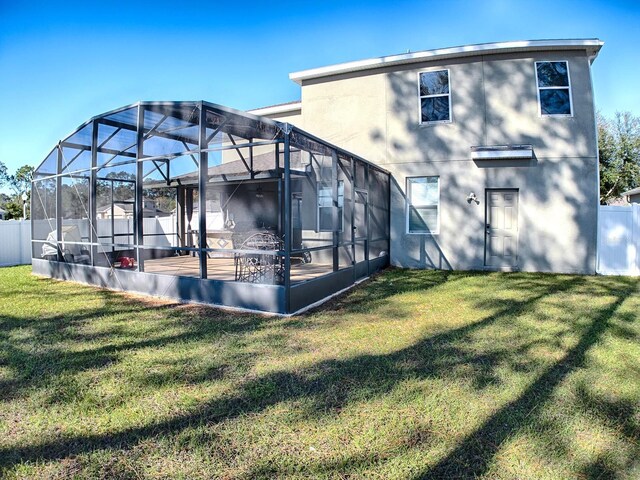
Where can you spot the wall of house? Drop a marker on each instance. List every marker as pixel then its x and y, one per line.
pixel 293 117
pixel 494 101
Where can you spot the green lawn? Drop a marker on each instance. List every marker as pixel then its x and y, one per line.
pixel 416 374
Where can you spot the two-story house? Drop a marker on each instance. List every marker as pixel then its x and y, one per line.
pixel 492 149
pixel 477 157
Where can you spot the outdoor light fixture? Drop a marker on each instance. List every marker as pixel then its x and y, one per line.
pixel 472 198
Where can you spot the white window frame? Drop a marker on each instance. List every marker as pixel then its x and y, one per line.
pixel 538 88
pixel 409 205
pixel 340 208
pixel 420 97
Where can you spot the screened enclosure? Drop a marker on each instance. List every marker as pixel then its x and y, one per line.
pixel 203 203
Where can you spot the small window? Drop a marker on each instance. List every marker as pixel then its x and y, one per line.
pixel 435 97
pixel 423 205
pixel 554 90
pixel 325 210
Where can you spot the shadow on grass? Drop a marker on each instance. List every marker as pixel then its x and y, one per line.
pixel 386 284
pixel 35 366
pixel 332 384
pixel 472 456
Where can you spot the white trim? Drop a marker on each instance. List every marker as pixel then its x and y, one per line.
pixel 592 46
pixel 277 109
pixel 420 97
pixel 408 205
pixel 538 88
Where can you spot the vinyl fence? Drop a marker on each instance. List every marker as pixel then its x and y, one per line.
pixel 15 242
pixel 619 240
pixel 15 235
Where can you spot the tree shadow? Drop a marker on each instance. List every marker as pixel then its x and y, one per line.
pixel 375 292
pixel 329 386
pixel 33 368
pixel 472 457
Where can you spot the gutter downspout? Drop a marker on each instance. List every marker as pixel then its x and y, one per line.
pixel 591 58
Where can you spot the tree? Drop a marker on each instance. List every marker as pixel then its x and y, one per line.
pixel 619 152
pixel 21 181
pixel 13 209
pixel 4 174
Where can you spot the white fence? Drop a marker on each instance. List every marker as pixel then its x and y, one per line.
pixel 15 242
pixel 619 240
pixel 15 235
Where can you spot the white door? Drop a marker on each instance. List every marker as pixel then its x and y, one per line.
pixel 501 229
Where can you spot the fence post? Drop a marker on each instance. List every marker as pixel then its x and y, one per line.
pixel 635 236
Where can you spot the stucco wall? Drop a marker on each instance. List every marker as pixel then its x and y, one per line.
pixel 494 101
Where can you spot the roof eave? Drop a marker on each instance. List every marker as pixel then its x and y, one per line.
pixel 277 109
pixel 592 46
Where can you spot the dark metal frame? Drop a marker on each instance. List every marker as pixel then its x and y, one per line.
pixel 258 132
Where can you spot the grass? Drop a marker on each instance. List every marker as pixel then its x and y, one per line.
pixel 417 374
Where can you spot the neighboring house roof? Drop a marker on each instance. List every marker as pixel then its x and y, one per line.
pixel 128 208
pixel 618 201
pixel 592 46
pixel 633 191
pixel 261 163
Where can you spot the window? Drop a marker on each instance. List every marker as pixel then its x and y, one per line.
pixel 554 91
pixel 435 97
pixel 423 205
pixel 325 210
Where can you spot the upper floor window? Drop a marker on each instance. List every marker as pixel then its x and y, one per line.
pixel 554 89
pixel 423 205
pixel 435 97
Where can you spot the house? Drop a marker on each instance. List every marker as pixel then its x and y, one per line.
pixel 492 149
pixel 125 209
pixel 632 196
pixel 476 157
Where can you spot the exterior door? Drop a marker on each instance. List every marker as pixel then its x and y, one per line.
pixel 361 233
pixel 501 229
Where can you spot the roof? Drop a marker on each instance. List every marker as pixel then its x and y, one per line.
pixel 633 191
pixel 264 163
pixel 591 45
pixel 278 108
pixel 128 208
pixel 177 113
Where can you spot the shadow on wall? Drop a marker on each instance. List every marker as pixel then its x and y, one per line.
pixel 429 253
pixel 557 190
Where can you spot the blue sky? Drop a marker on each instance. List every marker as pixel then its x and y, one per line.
pixel 64 62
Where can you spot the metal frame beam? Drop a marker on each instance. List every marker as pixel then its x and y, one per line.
pixel 139 200
pixel 203 172
pixel 286 215
pixel 126 126
pixel 93 185
pixel 59 206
